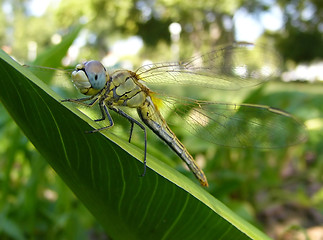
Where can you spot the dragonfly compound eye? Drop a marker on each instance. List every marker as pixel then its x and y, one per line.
pixel 89 77
pixel 96 74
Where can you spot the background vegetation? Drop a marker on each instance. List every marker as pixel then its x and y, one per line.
pixel 279 191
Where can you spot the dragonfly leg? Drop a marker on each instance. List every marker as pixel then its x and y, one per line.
pixel 134 121
pixel 131 129
pixel 82 100
pixel 105 112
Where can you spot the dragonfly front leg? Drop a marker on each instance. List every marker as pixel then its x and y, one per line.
pixel 104 112
pixel 134 121
pixel 82 101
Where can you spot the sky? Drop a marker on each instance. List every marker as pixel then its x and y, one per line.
pixel 38 7
pixel 249 27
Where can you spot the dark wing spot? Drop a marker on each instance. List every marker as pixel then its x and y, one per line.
pixel 96 77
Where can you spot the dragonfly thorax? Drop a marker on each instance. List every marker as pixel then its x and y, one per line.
pixel 125 89
pixel 89 77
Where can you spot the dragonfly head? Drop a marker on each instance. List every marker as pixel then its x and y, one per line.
pixel 89 77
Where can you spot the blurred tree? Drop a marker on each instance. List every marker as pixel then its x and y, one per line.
pixel 301 38
pixel 204 24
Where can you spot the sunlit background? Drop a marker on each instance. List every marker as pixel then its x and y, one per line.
pixel 123 29
pixel 288 198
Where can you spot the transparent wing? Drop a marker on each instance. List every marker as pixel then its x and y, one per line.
pixel 58 77
pixel 233 125
pixel 228 68
pixel 48 71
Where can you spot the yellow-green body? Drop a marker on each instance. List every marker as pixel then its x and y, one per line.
pixel 126 89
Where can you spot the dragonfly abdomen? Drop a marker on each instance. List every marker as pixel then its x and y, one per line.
pixel 154 120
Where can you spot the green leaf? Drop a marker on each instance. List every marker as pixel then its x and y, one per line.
pixel 52 57
pixel 103 170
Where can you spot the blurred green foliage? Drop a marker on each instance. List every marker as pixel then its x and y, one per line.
pixel 36 204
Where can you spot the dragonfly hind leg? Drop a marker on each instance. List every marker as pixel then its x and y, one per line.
pixel 132 122
pixel 131 130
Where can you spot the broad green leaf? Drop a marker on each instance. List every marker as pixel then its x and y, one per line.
pixel 103 170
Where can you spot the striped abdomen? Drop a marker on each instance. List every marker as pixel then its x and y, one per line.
pixel 153 119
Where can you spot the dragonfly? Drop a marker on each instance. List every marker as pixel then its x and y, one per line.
pixel 230 67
